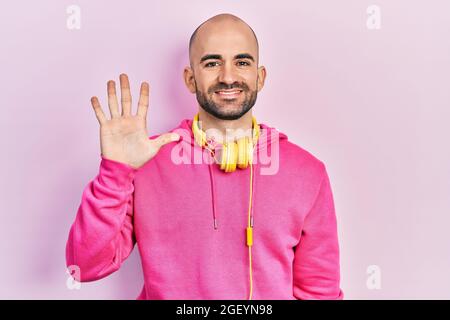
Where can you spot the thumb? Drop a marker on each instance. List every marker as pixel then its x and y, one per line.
pixel 166 138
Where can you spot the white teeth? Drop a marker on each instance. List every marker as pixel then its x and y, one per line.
pixel 228 92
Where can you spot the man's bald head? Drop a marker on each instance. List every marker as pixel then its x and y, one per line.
pixel 224 72
pixel 226 20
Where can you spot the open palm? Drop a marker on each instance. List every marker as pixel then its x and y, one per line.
pixel 124 137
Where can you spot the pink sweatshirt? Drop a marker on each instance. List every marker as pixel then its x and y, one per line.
pixel 167 207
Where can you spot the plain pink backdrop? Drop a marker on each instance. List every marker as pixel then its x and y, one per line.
pixel 372 104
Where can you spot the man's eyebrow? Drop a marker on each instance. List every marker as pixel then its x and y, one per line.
pixel 211 56
pixel 244 56
pixel 219 57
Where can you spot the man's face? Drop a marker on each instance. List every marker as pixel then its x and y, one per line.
pixel 225 70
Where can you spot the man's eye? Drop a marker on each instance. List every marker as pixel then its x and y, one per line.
pixel 245 63
pixel 209 64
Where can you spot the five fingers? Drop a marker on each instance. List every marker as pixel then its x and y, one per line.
pixel 125 100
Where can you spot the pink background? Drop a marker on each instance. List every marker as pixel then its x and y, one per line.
pixel 372 104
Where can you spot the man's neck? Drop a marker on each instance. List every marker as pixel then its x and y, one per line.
pixel 217 128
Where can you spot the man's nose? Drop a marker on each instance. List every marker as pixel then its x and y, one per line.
pixel 228 74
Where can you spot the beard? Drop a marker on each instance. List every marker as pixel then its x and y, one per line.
pixel 227 109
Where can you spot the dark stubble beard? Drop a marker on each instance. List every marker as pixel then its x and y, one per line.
pixel 207 103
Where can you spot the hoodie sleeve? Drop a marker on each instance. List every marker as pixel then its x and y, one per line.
pixel 316 261
pixel 102 237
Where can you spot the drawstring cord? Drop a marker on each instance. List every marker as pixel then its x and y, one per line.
pixel 211 174
pixel 213 195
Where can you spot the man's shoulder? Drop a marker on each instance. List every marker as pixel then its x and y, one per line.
pixel 296 155
pixel 292 153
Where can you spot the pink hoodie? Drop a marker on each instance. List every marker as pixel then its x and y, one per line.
pixel 167 207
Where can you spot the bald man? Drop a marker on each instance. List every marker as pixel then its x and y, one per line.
pixel 221 206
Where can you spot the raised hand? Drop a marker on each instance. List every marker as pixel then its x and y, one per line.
pixel 124 137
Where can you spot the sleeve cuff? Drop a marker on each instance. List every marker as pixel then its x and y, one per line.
pixel 116 175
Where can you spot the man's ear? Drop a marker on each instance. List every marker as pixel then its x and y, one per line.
pixel 188 76
pixel 261 78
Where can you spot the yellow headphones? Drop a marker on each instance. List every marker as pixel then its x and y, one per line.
pixel 240 154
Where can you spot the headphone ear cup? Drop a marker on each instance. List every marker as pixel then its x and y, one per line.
pixel 243 154
pixel 223 156
pixel 199 135
pixel 201 138
pixel 233 156
pixel 228 158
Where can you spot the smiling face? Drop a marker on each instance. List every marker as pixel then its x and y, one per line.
pixel 224 71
